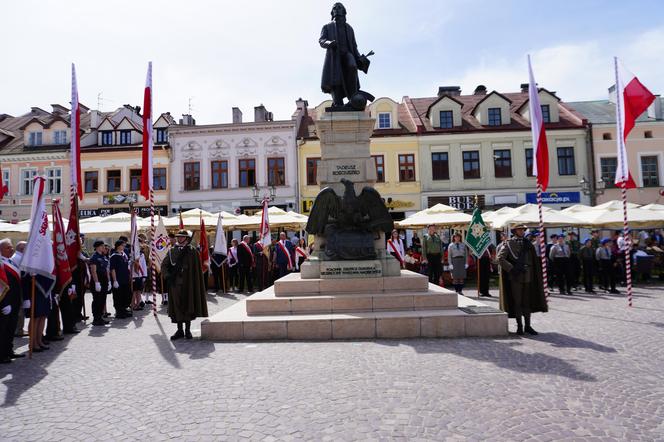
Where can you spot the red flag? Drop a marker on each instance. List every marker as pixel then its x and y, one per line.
pixel 146 174
pixel 540 148
pixel 205 248
pixel 181 222
pixel 75 125
pixel 3 187
pixel 632 99
pixel 72 237
pixel 62 270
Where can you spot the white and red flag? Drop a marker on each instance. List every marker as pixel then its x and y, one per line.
pixel 146 174
pixel 265 237
pixel 205 247
pixel 62 264
pixel 540 148
pixel 75 143
pixel 38 256
pixel 632 99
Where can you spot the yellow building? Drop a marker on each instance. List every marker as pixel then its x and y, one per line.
pixel 394 148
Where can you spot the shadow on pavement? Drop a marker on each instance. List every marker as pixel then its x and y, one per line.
pixel 195 348
pixel 564 341
pixel 164 346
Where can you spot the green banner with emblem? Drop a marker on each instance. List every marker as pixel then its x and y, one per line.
pixel 478 236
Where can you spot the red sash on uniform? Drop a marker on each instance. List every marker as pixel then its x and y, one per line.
pixel 248 249
pixel 285 250
pixel 300 251
pixel 396 251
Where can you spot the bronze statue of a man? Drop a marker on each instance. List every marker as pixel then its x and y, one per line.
pixel 342 61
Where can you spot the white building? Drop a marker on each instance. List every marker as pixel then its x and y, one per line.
pixel 217 166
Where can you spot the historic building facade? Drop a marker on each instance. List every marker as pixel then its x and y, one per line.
pixel 219 166
pixel 645 150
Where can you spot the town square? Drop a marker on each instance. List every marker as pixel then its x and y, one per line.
pixel 425 230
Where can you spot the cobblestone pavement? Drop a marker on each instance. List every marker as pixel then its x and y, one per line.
pixel 595 372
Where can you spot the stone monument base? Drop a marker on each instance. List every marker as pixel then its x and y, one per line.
pixel 314 268
pixel 404 306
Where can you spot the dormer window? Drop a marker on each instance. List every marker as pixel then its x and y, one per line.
pixel 162 136
pixel 35 139
pixel 60 137
pixel 106 138
pixel 546 113
pixel 494 116
pixel 384 120
pixel 125 137
pixel 446 119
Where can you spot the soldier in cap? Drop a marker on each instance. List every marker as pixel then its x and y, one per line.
pixel 186 289
pixel 522 292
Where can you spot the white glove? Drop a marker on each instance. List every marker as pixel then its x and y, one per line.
pixel 97 287
pixel 73 288
pixel 109 286
pixel 26 303
pixel 6 310
pixel 465 266
pixel 116 285
pixel 450 266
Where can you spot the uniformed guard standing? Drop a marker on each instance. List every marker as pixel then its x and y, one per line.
pixel 522 292
pixel 432 254
pixel 101 282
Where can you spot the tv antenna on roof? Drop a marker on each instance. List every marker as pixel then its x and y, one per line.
pixel 101 100
pixel 190 106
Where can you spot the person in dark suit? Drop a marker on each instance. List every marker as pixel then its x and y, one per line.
pixel 284 255
pixel 246 264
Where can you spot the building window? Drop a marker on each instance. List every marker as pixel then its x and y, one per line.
pixel 606 136
pixel 446 119
pixel 607 170
pixel 192 175
pixel 54 181
pixel 135 179
pixel 5 179
pixel 60 137
pixel 566 161
pixel 92 182
pixel 35 139
pixel 113 180
pixel 380 168
pixel 125 137
pixel 647 134
pixel 529 162
pixel 276 172
pixel 247 172
pixel 546 113
pixel 494 116
pixel 219 174
pixel 384 120
pixel 440 166
pixel 27 181
pixel 162 136
pixel 312 171
pixel 650 171
pixel 407 167
pixel 159 178
pixel 471 164
pixel 502 163
pixel 106 138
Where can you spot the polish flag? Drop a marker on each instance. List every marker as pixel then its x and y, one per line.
pixel 632 99
pixel 146 174
pixel 75 125
pixel 540 148
pixel 205 247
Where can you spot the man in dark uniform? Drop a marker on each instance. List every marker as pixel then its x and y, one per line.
pixel 100 282
pixel 183 274
pixel 432 254
pixel 522 292
pixel 246 264
pixel 11 301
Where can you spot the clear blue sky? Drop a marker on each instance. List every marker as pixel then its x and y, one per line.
pixel 224 54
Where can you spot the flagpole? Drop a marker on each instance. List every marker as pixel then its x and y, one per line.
pixel 153 254
pixel 623 186
pixel 31 330
pixel 542 243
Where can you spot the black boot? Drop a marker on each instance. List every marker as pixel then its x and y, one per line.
pixel 519 326
pixel 529 329
pixel 178 334
pixel 187 333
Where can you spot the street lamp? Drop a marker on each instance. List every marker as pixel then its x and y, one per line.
pixel 600 185
pixel 259 199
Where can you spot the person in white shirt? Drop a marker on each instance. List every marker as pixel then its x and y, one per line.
pixel 232 265
pixel 139 272
pixel 395 247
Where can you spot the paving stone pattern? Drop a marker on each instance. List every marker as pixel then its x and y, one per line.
pixel 596 372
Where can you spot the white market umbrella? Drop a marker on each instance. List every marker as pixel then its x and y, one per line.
pixel 528 214
pixel 439 215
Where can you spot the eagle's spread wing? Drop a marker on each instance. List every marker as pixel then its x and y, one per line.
pixel 327 204
pixel 373 206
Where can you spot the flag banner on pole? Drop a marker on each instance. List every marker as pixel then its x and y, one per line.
pixel 133 238
pixel 181 222
pixel 38 255
pixel 632 99
pixel 62 265
pixel 75 142
pixel 220 246
pixel 478 237
pixel 146 170
pixel 72 236
pixel 540 147
pixel 205 247
pixel 265 237
pixel 161 243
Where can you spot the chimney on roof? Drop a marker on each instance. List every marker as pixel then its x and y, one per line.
pixel 187 120
pixel 261 115
pixel 524 88
pixel 480 90
pixel 655 109
pixel 612 94
pixel 95 119
pixel 449 90
pixel 237 115
pixel 59 109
